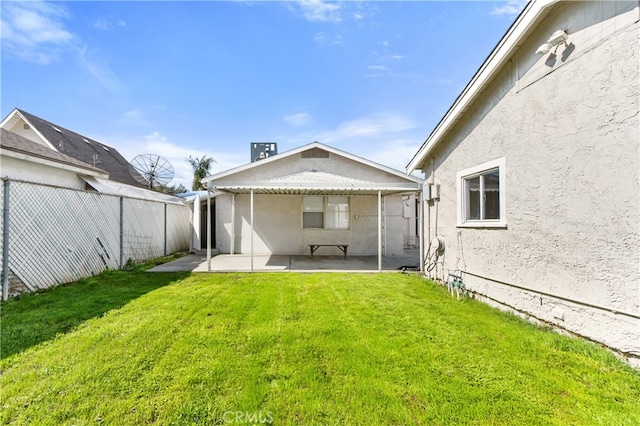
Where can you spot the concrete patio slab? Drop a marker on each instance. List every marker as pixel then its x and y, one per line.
pixel 286 263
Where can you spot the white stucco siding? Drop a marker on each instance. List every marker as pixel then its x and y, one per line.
pixel 15 168
pixel 569 137
pixel 278 226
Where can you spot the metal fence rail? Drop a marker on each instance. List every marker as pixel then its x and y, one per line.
pixel 53 235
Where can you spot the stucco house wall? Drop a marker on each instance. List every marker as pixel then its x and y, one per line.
pixel 566 126
pixel 40 173
pixel 278 226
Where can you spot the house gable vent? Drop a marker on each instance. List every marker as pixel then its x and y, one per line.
pixel 314 153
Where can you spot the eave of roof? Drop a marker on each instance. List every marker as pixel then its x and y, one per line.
pixel 505 48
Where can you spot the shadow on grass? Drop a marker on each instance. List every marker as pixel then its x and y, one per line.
pixel 29 320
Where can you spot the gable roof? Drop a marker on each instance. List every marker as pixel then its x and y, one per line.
pixel 504 50
pixel 14 145
pixel 82 148
pixel 312 181
pixel 307 147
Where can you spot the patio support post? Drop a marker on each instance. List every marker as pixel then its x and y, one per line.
pixel 252 230
pixel 379 231
pixel 165 229
pixel 233 224
pixel 421 228
pixel 5 242
pixel 208 230
pixel 121 232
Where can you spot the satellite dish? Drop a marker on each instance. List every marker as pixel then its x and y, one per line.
pixel 151 170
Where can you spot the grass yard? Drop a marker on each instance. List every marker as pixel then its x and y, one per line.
pixel 285 348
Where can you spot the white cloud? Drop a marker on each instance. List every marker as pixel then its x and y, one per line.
pixel 133 114
pixel 99 68
pixel 395 152
pixel 34 31
pixel 384 43
pixel 104 24
pixel 375 126
pixel 320 11
pixel 378 67
pixel 322 39
pixel 510 8
pixel 298 119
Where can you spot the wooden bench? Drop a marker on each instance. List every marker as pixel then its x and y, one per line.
pixel 342 247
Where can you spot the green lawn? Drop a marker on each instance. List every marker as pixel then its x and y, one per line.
pixel 137 348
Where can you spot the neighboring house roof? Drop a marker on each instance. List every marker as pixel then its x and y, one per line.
pixel 82 148
pixel 16 146
pixel 510 42
pixel 312 181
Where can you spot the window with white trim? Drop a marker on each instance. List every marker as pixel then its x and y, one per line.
pixel 482 196
pixel 325 212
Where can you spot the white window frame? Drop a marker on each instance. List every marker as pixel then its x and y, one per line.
pixel 326 212
pixel 462 201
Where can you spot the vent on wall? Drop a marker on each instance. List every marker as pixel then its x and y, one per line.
pixel 25 126
pixel 314 153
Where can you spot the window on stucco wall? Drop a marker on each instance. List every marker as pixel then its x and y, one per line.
pixel 482 196
pixel 325 212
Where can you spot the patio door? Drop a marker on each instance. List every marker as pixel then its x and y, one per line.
pixel 203 225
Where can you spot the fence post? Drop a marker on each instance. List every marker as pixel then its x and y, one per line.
pixel 121 232
pixel 5 242
pixel 165 229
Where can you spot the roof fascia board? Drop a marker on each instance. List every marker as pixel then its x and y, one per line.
pixel 16 113
pixel 54 164
pixel 494 62
pixel 305 148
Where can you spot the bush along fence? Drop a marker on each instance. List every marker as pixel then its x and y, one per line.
pixel 53 235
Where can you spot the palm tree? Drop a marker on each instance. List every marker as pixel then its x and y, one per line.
pixel 201 168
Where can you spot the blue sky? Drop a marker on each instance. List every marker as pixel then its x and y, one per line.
pixel 209 77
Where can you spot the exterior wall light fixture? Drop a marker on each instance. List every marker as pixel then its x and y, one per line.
pixel 557 38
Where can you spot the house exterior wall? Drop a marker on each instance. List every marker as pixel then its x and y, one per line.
pixel 567 128
pixel 15 168
pixel 278 226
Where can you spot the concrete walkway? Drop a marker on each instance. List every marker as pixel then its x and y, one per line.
pixel 286 263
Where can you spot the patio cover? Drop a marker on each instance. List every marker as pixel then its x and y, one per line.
pixel 110 187
pixel 311 182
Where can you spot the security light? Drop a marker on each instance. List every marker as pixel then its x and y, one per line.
pixel 556 38
pixel 544 49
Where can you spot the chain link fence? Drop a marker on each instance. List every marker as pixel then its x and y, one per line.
pixel 52 235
